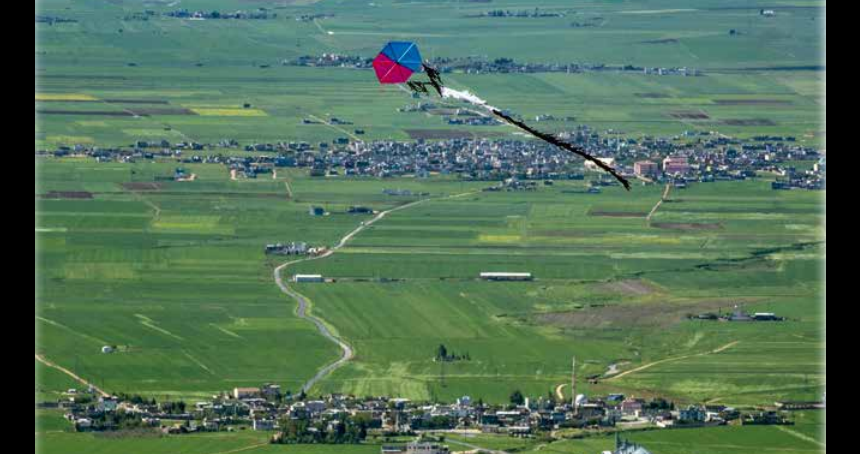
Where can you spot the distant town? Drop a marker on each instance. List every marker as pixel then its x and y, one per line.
pixel 399 425
pixel 517 164
pixel 481 65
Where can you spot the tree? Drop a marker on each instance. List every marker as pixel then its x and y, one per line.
pixel 442 353
pixel 517 398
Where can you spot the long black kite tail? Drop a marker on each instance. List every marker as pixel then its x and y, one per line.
pixel 569 147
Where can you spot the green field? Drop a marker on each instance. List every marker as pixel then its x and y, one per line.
pixel 760 81
pixel 804 438
pixel 176 276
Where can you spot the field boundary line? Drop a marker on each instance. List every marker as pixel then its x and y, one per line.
pixel 673 359
pixel 304 304
pixel 71 330
pixel 337 128
pixel 77 378
pixel 243 449
pixel 801 436
pixel 659 202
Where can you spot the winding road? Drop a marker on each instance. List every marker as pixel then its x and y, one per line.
pixel 347 352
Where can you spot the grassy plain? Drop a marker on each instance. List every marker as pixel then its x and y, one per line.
pixel 762 80
pixel 177 278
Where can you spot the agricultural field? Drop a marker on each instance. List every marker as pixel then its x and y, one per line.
pixel 175 276
pixel 610 289
pixel 113 80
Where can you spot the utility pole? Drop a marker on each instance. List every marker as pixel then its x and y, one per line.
pixel 573 387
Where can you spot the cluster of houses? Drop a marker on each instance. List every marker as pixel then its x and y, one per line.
pixel 481 65
pixel 331 60
pixel 403 193
pixel 51 20
pixel 522 13
pixel 416 447
pixel 691 157
pixel 739 315
pixel 258 14
pixel 268 408
pixel 294 248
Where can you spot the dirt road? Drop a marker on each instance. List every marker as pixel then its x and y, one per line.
pixel 663 198
pixel 71 374
pixel 347 352
pixel 676 358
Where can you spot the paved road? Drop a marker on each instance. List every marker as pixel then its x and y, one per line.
pixel 347 352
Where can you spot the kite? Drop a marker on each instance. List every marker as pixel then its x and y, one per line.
pixel 397 62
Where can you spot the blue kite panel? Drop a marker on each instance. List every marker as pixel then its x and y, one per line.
pixel 404 53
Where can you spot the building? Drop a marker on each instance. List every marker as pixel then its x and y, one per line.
pixel 107 404
pixel 631 407
pixel 766 317
pixel 271 391
pixel 592 166
pixel 647 169
pixel 246 393
pixel 426 448
pixel 415 448
pixel 502 276
pixel 359 210
pixel 264 425
pixel 625 447
pixel 308 278
pixel 675 165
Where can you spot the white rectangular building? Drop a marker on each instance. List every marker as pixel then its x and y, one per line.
pixel 308 278
pixel 501 276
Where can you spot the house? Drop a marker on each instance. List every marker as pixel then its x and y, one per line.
pixel 589 165
pixel 505 276
pixel 693 414
pixel 315 278
pixel 766 317
pixel 631 407
pixel 107 404
pixel 426 448
pixel 83 424
pixel 246 393
pixel 264 425
pixel 646 169
pixel 359 210
pixel 271 391
pixel 625 447
pixel 675 165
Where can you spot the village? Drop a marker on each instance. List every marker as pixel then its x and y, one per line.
pixel 481 65
pixel 688 158
pixel 400 425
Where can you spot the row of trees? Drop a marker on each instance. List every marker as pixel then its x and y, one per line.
pixel 443 354
pixel 339 431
